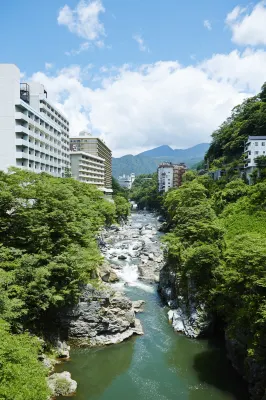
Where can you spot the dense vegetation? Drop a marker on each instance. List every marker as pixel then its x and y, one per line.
pixel 227 147
pixel 145 192
pixel 217 248
pixel 48 250
pixel 217 243
pixel 22 376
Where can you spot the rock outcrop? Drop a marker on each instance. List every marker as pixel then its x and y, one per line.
pixel 184 316
pixel 61 384
pixel 101 317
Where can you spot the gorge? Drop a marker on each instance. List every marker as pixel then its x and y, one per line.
pixel 160 364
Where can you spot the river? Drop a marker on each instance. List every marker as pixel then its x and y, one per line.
pixel 161 364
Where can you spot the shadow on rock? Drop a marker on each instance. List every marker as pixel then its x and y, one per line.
pixel 213 368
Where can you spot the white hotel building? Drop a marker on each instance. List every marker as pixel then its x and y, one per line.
pixel 34 135
pixel 88 168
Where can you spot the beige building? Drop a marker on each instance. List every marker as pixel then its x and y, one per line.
pixel 93 145
pixel 170 175
pixel 87 168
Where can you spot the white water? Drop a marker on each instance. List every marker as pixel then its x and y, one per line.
pixel 129 275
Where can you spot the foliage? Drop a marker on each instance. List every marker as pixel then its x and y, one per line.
pixel 145 192
pixel 122 208
pixel 48 249
pixel 22 376
pixel 118 190
pixel 217 249
pixel 247 119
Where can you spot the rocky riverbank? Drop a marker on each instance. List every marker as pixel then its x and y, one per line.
pixel 104 315
pixel 196 322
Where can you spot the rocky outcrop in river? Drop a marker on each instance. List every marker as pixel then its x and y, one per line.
pixel 101 317
pixel 104 315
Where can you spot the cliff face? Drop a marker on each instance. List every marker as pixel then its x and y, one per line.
pixel 184 315
pixel 101 317
pixel 252 369
pixel 195 322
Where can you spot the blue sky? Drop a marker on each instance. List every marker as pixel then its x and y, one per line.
pixel 139 58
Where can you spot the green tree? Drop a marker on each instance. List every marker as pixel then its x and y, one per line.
pixel 21 374
pixel 122 208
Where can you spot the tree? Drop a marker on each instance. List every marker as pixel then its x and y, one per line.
pixel 67 173
pixel 22 376
pixel 260 162
pixel 48 248
pixel 122 208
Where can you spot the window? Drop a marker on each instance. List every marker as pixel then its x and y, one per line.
pixel 263 143
pixel 256 143
pixel 256 152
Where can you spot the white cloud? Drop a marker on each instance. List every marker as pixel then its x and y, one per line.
pixel 161 103
pixel 207 24
pixel 84 19
pixel 82 47
pixel 248 28
pixel 48 65
pixel 141 43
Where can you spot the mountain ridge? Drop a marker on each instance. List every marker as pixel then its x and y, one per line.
pixel 148 161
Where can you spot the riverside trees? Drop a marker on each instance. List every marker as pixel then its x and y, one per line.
pixel 216 247
pixel 48 250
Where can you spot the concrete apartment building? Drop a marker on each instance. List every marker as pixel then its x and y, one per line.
pixel 254 147
pixel 170 175
pixel 126 181
pixel 87 168
pixel 93 145
pixel 34 134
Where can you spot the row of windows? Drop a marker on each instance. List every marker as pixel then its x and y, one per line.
pixel 262 143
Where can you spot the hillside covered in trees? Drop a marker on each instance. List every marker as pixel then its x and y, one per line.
pixel 217 240
pixel 227 146
pixel 48 250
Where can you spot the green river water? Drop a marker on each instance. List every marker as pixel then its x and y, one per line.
pixel 160 365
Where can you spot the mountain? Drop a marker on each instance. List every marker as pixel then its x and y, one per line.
pixel 161 151
pixel 148 161
pixel 137 164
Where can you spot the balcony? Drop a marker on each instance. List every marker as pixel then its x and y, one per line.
pixel 21 117
pixel 21 155
pixel 21 129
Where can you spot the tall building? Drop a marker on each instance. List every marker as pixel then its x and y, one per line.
pixel 95 146
pixel 170 175
pixel 87 168
pixel 34 134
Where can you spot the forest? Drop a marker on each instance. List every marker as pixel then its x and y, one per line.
pixel 48 250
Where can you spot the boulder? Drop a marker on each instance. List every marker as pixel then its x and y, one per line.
pixel 101 317
pixel 61 384
pixel 107 274
pixel 122 257
pixel 138 305
pixel 62 350
pixel 113 277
